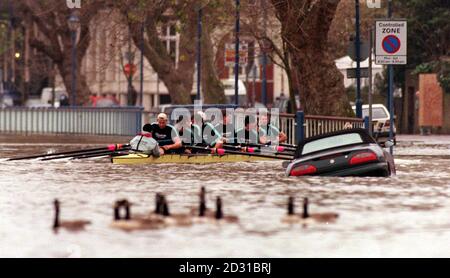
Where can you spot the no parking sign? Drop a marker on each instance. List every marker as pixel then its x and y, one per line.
pixel 391 42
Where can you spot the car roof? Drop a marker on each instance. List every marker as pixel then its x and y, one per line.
pixel 373 106
pixel 367 139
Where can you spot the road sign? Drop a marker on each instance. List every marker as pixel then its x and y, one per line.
pixel 351 73
pixel 391 42
pixel 364 50
pixel 230 52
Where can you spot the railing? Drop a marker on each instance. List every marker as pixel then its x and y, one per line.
pixel 297 126
pixel 72 120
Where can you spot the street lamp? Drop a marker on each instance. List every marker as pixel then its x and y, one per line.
pixel 358 61
pixel 236 63
pixel 74 25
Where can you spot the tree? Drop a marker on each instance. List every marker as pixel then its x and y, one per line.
pixel 429 46
pixel 343 25
pixel 429 29
pixel 213 90
pixel 259 20
pixel 54 37
pixel 177 76
pixel 304 28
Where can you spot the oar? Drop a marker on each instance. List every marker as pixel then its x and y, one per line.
pixel 288 145
pixel 113 154
pixel 99 153
pixel 108 148
pixel 278 148
pixel 223 152
pixel 274 149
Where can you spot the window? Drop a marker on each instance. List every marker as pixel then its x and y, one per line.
pixel 377 113
pixel 332 142
pixel 170 37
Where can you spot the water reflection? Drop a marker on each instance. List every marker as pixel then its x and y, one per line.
pixel 377 216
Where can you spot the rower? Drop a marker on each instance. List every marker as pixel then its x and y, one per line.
pixel 226 128
pixel 166 136
pixel 269 132
pixel 188 132
pixel 249 133
pixel 210 136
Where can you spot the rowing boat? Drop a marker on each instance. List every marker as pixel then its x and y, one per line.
pixel 185 159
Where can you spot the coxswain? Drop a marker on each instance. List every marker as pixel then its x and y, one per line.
pixel 144 143
pixel 166 136
pixel 269 132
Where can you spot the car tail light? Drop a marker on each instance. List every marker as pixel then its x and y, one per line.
pixel 387 123
pixel 364 157
pixel 303 170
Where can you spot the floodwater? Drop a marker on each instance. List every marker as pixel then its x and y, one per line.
pixel 403 216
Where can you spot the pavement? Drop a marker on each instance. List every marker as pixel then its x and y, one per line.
pixel 426 139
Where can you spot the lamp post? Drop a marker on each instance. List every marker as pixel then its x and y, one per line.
pixel 358 62
pixel 264 57
pixel 236 64
pixel 74 25
pixel 141 85
pixel 199 52
pixel 391 91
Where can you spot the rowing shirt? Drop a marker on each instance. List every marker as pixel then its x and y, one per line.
pixel 227 130
pixel 247 136
pixel 196 132
pixel 271 131
pixel 164 136
pixel 190 135
pixel 210 134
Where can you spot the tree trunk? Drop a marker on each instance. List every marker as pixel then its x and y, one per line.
pixel 83 92
pixel 178 79
pixel 305 25
pixel 321 89
pixel 213 91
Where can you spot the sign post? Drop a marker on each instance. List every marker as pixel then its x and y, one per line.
pixel 358 63
pixel 391 49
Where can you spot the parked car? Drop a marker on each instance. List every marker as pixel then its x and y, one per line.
pixel 382 117
pixel 11 98
pixel 351 152
pixel 46 99
pixel 47 96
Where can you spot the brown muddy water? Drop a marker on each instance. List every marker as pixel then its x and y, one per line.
pixel 404 216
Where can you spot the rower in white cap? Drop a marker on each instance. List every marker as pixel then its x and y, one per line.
pixel 166 136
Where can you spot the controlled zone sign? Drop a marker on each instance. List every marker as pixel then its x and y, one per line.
pixel 391 42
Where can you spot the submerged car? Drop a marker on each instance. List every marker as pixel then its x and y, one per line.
pixel 351 152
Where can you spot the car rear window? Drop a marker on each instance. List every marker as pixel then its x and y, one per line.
pixel 377 113
pixel 332 142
